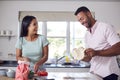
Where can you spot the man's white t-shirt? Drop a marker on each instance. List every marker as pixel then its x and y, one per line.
pixel 103 36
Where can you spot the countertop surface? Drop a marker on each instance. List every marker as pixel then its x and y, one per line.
pixel 5 78
pixel 73 76
pixel 65 76
pixel 46 65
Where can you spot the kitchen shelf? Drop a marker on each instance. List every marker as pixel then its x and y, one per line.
pixel 9 36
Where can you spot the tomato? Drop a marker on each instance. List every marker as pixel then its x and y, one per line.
pixel 42 73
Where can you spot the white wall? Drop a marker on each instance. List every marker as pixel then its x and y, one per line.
pixel 104 11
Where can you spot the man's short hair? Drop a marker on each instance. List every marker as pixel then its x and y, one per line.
pixel 81 9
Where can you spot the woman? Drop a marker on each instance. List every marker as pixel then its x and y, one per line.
pixel 31 47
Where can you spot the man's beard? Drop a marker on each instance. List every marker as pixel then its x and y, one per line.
pixel 88 23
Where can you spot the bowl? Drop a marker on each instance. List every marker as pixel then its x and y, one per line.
pixel 3 72
pixel 10 73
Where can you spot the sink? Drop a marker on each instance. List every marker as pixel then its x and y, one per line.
pixel 56 65
pixel 52 65
pixel 67 65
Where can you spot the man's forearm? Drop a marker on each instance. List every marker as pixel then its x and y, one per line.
pixel 112 51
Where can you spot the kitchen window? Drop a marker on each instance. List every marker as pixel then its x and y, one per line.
pixel 63 36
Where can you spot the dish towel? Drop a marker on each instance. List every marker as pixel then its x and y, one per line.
pixel 22 71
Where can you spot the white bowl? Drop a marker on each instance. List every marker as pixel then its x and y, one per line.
pixel 10 74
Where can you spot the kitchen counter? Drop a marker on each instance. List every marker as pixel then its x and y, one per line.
pixel 65 76
pixel 50 67
pixel 73 76
pixel 5 78
pixel 46 65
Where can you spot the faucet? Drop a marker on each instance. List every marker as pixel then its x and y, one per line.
pixel 58 59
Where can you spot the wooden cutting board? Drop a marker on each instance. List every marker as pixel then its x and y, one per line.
pixel 6 78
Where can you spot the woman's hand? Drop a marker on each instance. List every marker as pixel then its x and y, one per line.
pixel 36 66
pixel 26 59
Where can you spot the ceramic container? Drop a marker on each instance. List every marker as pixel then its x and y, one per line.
pixel 10 73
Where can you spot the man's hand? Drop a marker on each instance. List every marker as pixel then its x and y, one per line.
pixel 90 52
pixel 86 58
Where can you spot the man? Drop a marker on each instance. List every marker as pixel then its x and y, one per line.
pixel 102 45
